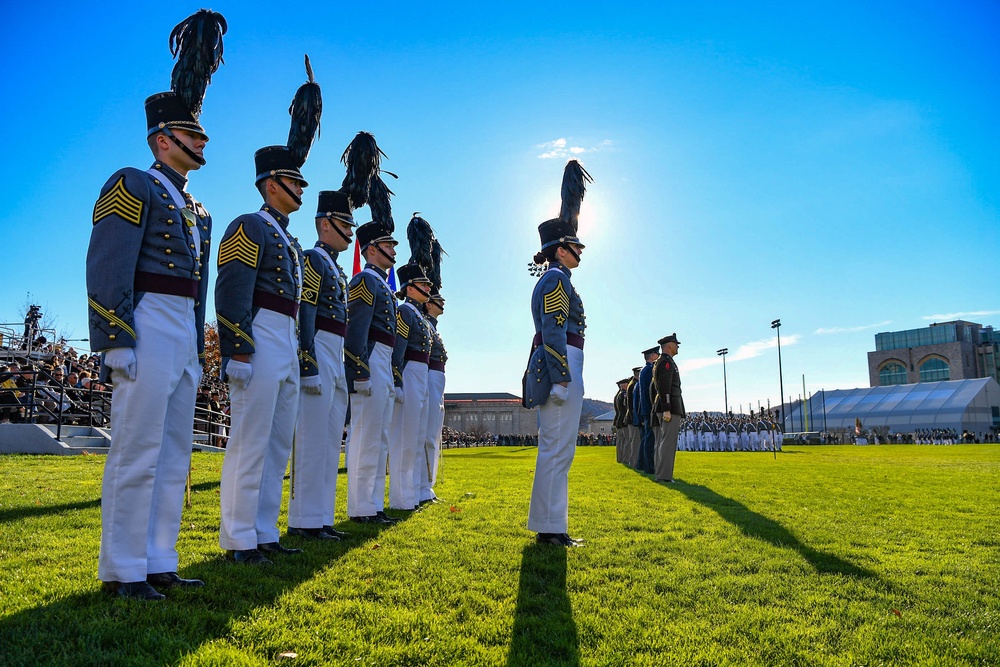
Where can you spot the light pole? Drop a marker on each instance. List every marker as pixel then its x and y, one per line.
pixel 776 325
pixel 725 386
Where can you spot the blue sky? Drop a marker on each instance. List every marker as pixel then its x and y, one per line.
pixel 834 166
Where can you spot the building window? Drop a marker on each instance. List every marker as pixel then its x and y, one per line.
pixel 934 369
pixel 892 373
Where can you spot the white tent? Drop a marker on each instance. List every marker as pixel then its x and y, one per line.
pixel 962 405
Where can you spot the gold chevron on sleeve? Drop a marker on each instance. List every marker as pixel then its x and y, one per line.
pixel 112 319
pixel 119 201
pixel 402 328
pixel 239 333
pixel 311 283
pixel 356 360
pixel 239 247
pixel 559 357
pixel 360 291
pixel 556 301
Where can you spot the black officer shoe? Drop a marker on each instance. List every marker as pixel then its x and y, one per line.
pixel 276 548
pixel 248 557
pixel 172 580
pixel 369 519
pixel 336 533
pixel 312 533
pixel 558 540
pixel 133 590
pixel 386 518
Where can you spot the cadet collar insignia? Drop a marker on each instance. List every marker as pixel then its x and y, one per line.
pixel 239 247
pixel 276 214
pixel 333 253
pixel 119 201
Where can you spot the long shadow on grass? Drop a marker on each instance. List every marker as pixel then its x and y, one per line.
pixel 91 628
pixel 768 530
pixel 27 512
pixel 544 631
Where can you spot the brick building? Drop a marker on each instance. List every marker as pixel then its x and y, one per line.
pixel 956 350
pixel 496 413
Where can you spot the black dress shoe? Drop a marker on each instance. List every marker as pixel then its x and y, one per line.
pixel 312 533
pixel 276 548
pixel 336 533
pixel 248 557
pixel 133 590
pixel 172 580
pixel 365 519
pixel 386 518
pixel 558 540
pixel 665 481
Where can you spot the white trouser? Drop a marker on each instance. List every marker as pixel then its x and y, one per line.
pixel 370 417
pixel 558 426
pixel 152 418
pixel 407 437
pixel 432 435
pixel 263 425
pixel 316 451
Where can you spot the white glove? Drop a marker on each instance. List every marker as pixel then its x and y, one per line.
pixel 363 387
pixel 312 384
pixel 121 360
pixel 399 396
pixel 239 373
pixel 559 394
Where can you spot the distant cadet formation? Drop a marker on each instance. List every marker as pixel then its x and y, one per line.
pixel 647 433
pixel 288 319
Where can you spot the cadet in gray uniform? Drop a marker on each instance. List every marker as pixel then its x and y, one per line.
pixel 553 381
pixel 371 335
pixel 434 308
pixel 147 277
pixel 322 326
pixel 668 407
pixel 406 435
pixel 257 300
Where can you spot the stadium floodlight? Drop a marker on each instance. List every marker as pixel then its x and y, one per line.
pixel 725 386
pixel 776 325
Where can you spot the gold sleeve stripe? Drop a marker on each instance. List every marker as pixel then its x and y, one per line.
pixel 360 291
pixel 111 318
pixel 312 281
pixel 556 301
pixel 239 247
pixel 306 357
pixel 559 357
pixel 402 329
pixel 239 333
pixel 119 201
pixel 357 361
pixel 397 374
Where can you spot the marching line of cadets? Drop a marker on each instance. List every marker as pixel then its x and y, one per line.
pixel 305 351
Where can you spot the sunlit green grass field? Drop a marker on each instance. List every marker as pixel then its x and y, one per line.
pixel 823 556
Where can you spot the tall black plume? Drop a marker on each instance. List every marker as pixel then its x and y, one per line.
pixel 306 109
pixel 379 204
pixel 362 158
pixel 197 43
pixel 420 236
pixel 574 186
